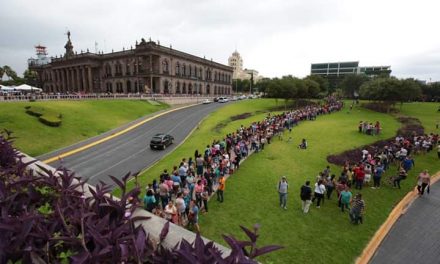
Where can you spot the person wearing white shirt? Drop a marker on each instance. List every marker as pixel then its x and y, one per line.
pixel 319 193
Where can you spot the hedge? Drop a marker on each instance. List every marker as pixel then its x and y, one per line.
pixel 49 119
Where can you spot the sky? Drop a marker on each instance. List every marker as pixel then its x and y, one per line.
pixel 274 37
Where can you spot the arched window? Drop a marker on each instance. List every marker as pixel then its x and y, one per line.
pixel 184 70
pixel 127 69
pixel 200 72
pixel 178 88
pixel 184 88
pixel 166 87
pixel 177 69
pixel 118 69
pixel 165 66
pixel 129 86
pixel 108 70
pixel 190 70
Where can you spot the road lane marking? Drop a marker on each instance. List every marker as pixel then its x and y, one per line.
pixel 74 151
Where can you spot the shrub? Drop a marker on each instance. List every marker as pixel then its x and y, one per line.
pixel 35 111
pixel 45 117
pixel 46 218
pixel 50 120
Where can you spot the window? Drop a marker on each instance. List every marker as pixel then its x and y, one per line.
pixel 165 66
pixel 177 68
pixel 108 71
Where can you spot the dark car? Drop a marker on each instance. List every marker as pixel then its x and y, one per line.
pixel 161 141
pixel 215 99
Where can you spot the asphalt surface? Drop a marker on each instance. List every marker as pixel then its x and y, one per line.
pixel 415 237
pixel 130 152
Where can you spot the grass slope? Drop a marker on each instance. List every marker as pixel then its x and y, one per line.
pixel 81 120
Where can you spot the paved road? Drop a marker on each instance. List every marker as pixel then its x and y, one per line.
pixel 130 151
pixel 415 238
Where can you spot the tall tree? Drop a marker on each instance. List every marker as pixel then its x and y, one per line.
pixel 313 89
pixel 351 83
pixel 323 83
pixel 30 77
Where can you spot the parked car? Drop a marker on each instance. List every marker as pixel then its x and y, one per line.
pixel 206 101
pixel 223 100
pixel 215 99
pixel 161 141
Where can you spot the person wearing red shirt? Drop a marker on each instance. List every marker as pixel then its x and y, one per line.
pixel 359 176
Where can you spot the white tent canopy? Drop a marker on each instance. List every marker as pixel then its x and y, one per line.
pixel 5 88
pixel 25 87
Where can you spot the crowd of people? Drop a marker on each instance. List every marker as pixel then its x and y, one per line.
pixel 370 166
pixel 181 194
pixel 368 128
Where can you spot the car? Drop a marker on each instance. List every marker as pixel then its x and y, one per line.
pixel 206 101
pixel 161 141
pixel 223 100
pixel 215 99
pixel 234 98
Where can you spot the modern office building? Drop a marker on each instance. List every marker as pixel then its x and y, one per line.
pixel 147 67
pixel 336 71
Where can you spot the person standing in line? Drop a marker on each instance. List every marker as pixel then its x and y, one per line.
pixel 345 198
pixel 423 181
pixel 319 193
pixel 283 187
pixel 306 197
pixel 357 209
pixel 181 208
pixel 330 185
pixel 221 188
pixel 194 215
pixel 377 176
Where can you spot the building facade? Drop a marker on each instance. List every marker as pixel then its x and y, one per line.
pixel 236 62
pixel 146 68
pixel 336 71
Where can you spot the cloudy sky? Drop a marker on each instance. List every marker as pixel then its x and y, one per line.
pixel 275 37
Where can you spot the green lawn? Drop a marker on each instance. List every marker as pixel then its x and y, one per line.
pixel 325 235
pixel 80 120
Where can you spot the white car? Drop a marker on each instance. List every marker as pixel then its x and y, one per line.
pixel 206 101
pixel 223 100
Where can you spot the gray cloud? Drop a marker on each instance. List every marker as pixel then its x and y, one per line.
pixel 275 37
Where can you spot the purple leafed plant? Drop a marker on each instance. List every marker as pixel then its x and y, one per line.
pixel 45 217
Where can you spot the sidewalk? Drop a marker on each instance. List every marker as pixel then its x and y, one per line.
pixel 415 237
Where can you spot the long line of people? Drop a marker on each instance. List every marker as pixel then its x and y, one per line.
pixel 181 194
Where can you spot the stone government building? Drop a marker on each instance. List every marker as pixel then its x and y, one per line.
pixel 147 68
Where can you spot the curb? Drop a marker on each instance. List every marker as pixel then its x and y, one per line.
pixel 384 229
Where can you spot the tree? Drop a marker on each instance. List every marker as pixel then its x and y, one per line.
pixel 431 91
pixel 323 83
pixel 351 83
pixel 313 89
pixel 30 77
pixel 241 86
pixel 391 90
pixel 410 90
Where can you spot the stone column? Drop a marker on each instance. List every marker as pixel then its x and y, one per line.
pixel 78 79
pixel 68 80
pixel 83 77
pixel 89 71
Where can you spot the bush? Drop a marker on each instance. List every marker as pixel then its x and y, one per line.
pixel 45 117
pixel 46 218
pixel 50 120
pixel 35 111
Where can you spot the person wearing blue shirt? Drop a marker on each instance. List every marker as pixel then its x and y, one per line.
pixel 377 176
